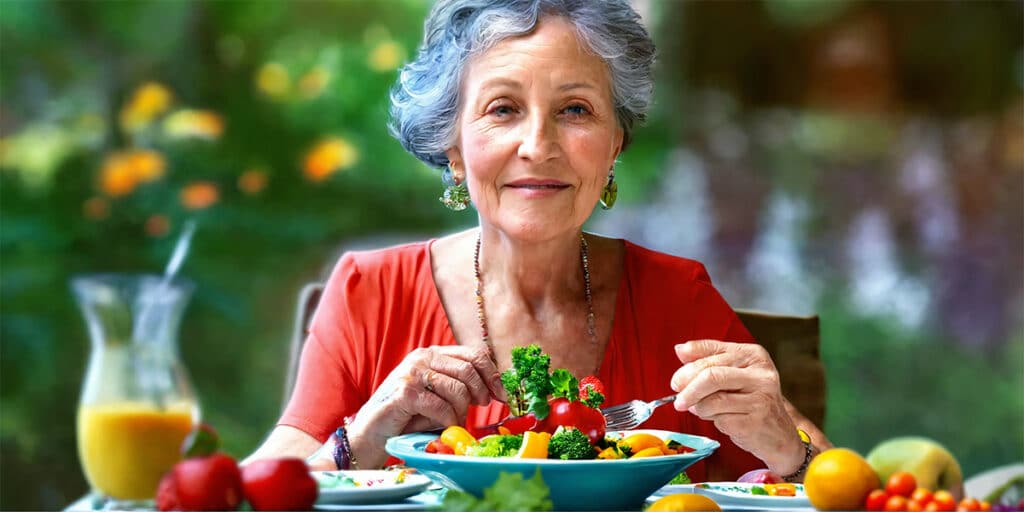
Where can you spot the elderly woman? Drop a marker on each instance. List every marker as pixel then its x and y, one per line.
pixel 527 104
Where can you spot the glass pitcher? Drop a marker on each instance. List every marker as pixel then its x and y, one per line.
pixel 137 404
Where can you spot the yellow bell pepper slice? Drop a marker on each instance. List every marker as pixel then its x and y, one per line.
pixel 535 445
pixel 458 439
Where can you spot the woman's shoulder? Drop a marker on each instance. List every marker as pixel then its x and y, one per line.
pixel 644 262
pixel 383 264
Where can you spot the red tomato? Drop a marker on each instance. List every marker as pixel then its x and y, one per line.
pixel 921 495
pixel 588 383
pixel 915 506
pixel 901 483
pixel 436 446
pixel 575 414
pixel 202 483
pixel 896 503
pixel 969 505
pixel 279 484
pixel 944 501
pixel 876 500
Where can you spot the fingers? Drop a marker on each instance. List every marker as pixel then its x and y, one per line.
pixel 451 390
pixel 460 376
pixel 689 371
pixel 727 402
pixel 488 380
pixel 712 380
pixel 697 349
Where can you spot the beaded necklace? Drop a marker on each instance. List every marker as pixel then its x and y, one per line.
pixel 591 324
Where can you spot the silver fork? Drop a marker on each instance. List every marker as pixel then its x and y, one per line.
pixel 632 413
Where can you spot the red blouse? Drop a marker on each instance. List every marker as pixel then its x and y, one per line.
pixel 379 305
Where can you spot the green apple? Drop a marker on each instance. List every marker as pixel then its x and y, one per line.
pixel 931 463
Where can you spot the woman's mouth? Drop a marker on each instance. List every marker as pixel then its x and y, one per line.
pixel 534 189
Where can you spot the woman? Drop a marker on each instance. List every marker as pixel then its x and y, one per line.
pixel 527 104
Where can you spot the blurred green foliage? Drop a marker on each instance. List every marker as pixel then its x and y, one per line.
pixel 273 137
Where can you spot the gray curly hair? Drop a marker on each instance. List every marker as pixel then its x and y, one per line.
pixel 425 100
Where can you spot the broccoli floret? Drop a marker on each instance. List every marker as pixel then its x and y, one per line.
pixel 496 446
pixel 528 382
pixel 570 444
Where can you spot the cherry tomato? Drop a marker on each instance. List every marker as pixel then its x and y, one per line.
pixel 921 495
pixel 915 506
pixel 896 503
pixel 969 505
pixel 202 483
pixel 436 446
pixel 876 500
pixel 944 501
pixel 901 483
pixel 279 484
pixel 575 414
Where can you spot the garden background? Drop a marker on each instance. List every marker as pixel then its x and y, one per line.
pixel 861 160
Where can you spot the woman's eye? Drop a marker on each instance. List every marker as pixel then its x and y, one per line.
pixel 576 110
pixel 502 110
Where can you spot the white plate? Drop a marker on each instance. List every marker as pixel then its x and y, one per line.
pixel 422 501
pixel 367 486
pixel 737 496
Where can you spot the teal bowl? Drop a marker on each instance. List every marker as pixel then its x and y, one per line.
pixel 575 484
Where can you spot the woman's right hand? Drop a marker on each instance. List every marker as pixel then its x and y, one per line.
pixel 431 388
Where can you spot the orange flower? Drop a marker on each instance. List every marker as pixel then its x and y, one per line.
pixel 273 80
pixel 252 182
pixel 122 171
pixel 96 208
pixel 199 195
pixel 149 100
pixel 157 226
pixel 328 157
pixel 204 124
pixel 147 165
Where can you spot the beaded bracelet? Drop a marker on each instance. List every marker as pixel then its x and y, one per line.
pixel 344 458
pixel 806 440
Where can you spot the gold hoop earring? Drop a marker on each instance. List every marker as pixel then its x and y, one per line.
pixel 610 192
pixel 456 195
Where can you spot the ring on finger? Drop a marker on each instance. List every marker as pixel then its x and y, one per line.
pixel 427 384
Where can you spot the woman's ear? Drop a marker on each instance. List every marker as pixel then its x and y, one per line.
pixel 455 163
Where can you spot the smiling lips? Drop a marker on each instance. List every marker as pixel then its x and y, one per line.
pixel 536 188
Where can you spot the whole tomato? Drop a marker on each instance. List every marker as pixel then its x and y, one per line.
pixel 901 483
pixel 575 414
pixel 203 483
pixel 876 500
pixel 279 484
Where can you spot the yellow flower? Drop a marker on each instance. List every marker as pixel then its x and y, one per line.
pixel 313 83
pixel 252 182
pixel 273 80
pixel 149 100
pixel 328 157
pixel 386 56
pixel 199 195
pixel 203 124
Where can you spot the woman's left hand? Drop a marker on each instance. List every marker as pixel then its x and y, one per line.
pixel 736 385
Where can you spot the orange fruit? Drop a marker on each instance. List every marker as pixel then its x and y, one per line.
pixel 685 502
pixel 839 479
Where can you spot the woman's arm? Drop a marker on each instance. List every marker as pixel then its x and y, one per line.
pixel 819 442
pixel 285 441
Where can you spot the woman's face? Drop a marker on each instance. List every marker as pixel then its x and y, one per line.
pixel 537 132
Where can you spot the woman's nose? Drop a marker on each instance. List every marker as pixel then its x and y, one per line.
pixel 539 139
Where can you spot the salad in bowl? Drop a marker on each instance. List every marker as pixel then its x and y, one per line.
pixel 557 429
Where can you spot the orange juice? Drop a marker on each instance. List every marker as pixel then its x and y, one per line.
pixel 126 447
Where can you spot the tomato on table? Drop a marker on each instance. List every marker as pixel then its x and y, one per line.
pixel 876 500
pixel 901 483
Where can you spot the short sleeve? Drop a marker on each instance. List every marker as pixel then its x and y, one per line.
pixel 325 391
